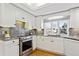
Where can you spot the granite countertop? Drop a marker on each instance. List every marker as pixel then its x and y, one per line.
pixel 11 38
pixel 58 36
pixel 7 39
pixel 67 37
pixel 72 37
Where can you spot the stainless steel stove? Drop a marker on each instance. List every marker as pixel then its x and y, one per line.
pixel 25 45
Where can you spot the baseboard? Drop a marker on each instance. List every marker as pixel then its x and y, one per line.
pixel 55 53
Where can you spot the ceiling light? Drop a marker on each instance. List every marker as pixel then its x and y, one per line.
pixel 55 17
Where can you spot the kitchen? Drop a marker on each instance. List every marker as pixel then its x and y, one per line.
pixel 53 30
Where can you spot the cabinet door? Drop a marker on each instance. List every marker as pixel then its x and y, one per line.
pixel 12 50
pixel 50 44
pixel 8 15
pixel 45 43
pixel 34 42
pixel 71 47
pixel 58 45
pixel 40 42
pixel 1 49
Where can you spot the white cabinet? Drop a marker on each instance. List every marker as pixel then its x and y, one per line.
pixel 74 18
pixel 11 48
pixel 10 13
pixel 43 42
pixel 58 45
pixel 39 22
pixel 7 15
pixel 1 48
pixel 34 39
pixel 71 47
pixel 54 44
pixel 40 42
pixel 51 44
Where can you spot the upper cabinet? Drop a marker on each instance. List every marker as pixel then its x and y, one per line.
pixel 10 13
pixel 7 15
pixel 74 18
pixel 25 17
pixel 39 22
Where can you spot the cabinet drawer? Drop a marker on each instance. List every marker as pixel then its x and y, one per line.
pixel 16 41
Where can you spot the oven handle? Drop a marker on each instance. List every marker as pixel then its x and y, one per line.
pixel 26 40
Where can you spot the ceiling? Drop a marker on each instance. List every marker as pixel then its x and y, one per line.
pixel 34 6
pixel 46 8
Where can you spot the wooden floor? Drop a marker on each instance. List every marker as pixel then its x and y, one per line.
pixel 42 53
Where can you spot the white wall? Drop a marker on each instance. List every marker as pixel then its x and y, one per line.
pixel 74 18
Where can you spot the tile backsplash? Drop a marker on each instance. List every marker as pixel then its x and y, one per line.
pixel 74 31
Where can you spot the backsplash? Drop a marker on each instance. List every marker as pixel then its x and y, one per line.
pixel 4 31
pixel 37 32
pixel 74 31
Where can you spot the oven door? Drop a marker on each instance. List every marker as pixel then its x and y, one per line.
pixel 26 47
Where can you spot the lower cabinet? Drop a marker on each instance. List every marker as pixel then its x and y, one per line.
pixel 11 50
pixel 45 43
pixel 40 42
pixel 51 44
pixel 58 45
pixel 71 47
pixel 34 42
pixel 1 48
